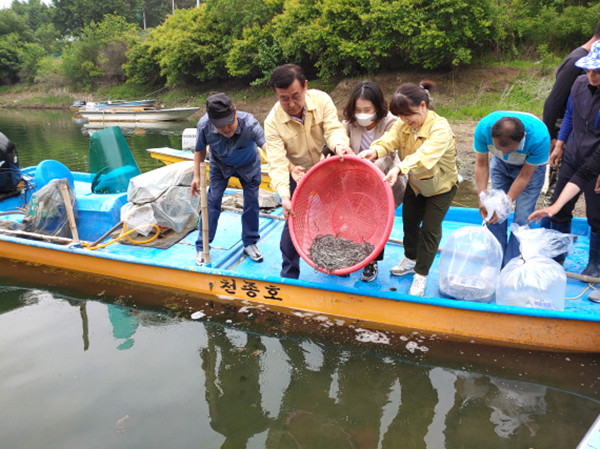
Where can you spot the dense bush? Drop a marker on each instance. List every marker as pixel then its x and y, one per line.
pixel 10 61
pixel 193 45
pixel 50 72
pixel 142 62
pixel 241 39
pixel 100 52
pixel 246 39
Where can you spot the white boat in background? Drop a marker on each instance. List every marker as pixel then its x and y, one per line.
pixel 79 105
pixel 136 114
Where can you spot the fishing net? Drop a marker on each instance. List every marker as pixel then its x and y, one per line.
pixel 47 212
pixel 345 200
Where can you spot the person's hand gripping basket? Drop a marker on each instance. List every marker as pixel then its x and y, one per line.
pixel 344 213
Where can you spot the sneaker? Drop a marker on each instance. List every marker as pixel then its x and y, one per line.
pixel 406 266
pixel 370 272
pixel 199 258
pixel 595 296
pixel 418 285
pixel 253 253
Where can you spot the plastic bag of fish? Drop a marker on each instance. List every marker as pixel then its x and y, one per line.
pixel 534 279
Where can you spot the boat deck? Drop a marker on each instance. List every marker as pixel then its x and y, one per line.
pixel 227 253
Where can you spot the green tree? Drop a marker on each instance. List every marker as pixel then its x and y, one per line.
pixel 30 55
pixel 100 52
pixel 10 61
pixel 338 38
pixel 255 55
pixel 156 12
pixel 447 32
pixel 72 16
pixel 11 22
pixel 193 45
pixel 187 48
pixel 142 63
pixel 49 38
pixel 35 13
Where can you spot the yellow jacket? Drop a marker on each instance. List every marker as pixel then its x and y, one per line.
pixel 289 140
pixel 429 160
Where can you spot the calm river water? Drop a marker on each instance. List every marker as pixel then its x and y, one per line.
pixel 79 370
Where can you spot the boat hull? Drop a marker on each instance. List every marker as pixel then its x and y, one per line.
pixel 138 115
pixel 233 279
pixel 403 315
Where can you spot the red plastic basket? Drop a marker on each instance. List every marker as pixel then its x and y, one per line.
pixel 347 199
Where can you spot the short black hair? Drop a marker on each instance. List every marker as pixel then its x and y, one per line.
pixel 367 90
pixel 508 128
pixel 284 75
pixel 597 30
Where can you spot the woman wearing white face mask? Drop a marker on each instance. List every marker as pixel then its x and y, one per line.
pixel 366 119
pixel 427 148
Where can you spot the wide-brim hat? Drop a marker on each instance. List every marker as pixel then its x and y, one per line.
pixel 592 60
pixel 220 110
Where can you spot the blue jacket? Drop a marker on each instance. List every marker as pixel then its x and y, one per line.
pixel 232 153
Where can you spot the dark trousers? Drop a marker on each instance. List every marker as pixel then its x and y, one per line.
pixel 250 180
pixel 422 218
pixel 567 169
pixel 290 264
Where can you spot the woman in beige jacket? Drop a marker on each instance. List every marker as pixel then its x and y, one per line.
pixel 366 119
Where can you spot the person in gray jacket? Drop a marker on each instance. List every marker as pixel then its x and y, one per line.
pixel 366 119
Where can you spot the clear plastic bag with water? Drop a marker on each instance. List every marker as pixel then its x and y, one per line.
pixel 534 279
pixel 538 282
pixel 470 264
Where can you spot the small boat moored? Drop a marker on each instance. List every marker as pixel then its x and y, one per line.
pixel 136 114
pixel 79 105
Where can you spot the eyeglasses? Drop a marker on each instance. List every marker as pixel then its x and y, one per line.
pixel 593 72
pixel 295 97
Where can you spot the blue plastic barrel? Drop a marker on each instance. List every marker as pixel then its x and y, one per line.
pixel 48 170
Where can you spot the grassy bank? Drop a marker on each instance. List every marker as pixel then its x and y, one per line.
pixel 465 94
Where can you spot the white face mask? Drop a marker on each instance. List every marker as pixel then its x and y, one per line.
pixel 365 119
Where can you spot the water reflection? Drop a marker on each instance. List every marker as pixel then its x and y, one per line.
pixel 344 398
pixel 124 323
pixel 232 386
pixel 253 389
pixel 139 128
pixel 52 134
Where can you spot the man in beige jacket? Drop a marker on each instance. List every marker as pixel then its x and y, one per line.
pixel 300 123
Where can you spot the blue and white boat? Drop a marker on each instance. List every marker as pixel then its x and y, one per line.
pixel 233 280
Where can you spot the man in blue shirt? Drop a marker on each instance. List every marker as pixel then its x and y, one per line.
pixel 520 146
pixel 233 137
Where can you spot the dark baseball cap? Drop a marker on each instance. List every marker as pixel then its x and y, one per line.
pixel 220 110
